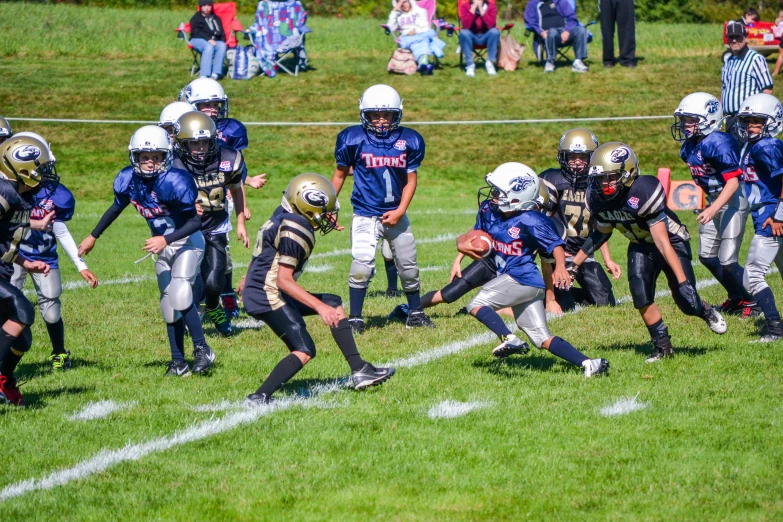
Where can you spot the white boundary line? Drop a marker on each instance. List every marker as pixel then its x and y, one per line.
pixel 348 123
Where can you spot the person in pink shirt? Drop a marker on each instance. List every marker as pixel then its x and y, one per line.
pixel 478 20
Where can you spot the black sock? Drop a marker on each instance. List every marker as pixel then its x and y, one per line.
pixel 212 301
pixel 357 295
pixel 492 320
pixel 657 330
pixel 8 360
pixel 414 300
pixel 343 336
pixel 734 274
pixel 173 330
pixel 191 318
pixel 391 274
pixel 281 374
pixel 198 291
pixel 57 336
pixel 766 300
pixel 565 350
pixel 228 286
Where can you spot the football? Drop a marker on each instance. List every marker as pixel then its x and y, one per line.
pixel 481 241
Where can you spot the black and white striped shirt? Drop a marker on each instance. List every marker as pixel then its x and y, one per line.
pixel 743 75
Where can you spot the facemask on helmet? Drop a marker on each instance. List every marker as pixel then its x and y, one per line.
pixel 380 99
pixel 575 143
pixel 313 197
pixel 702 107
pixel 196 141
pixel 147 140
pixel 763 107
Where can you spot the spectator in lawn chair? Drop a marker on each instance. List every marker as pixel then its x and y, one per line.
pixel 556 23
pixel 478 19
pixel 413 23
pixel 208 38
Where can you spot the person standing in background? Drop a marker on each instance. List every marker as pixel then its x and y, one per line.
pixel 622 13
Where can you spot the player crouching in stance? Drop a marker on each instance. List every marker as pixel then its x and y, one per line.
pixel 385 158
pixel 271 293
pixel 636 206
pixel 166 198
pixel 713 159
pixel 518 230
pixel 760 119
pixel 25 163
pixel 41 245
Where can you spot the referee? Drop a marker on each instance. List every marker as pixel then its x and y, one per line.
pixel 744 74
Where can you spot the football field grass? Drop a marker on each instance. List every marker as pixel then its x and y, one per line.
pixel 697 437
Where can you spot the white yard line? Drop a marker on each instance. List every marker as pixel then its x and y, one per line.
pixel 624 406
pixel 454 409
pixel 100 409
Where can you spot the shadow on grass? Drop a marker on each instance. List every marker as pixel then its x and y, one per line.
pixel 41 399
pixel 511 367
pixel 646 348
pixel 26 371
pixel 308 387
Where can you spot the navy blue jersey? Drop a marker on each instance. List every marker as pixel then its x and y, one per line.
pixel 380 166
pixel 516 240
pixel 161 200
pixel 15 211
pixel 762 163
pixel 232 133
pixel 41 245
pixel 713 161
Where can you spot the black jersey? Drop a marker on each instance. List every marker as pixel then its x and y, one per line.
pixel 635 210
pixel 15 211
pixel 568 206
pixel 212 180
pixel 286 239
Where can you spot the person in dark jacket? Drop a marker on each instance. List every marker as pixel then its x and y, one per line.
pixel 556 23
pixel 208 38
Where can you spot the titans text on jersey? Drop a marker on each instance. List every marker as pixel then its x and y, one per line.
pixel 41 245
pixel 380 166
pixel 712 161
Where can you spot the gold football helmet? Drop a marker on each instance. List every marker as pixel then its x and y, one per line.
pixel 5 130
pixel 27 160
pixel 576 141
pixel 313 196
pixel 193 127
pixel 613 168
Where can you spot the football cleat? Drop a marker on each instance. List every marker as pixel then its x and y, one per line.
pixel 257 399
pixel 400 313
pixel 511 344
pixel 393 293
pixel 230 305
pixel 203 357
pixel 774 332
pixel 595 367
pixel 714 320
pixel 219 319
pixel 744 309
pixel 418 319
pixel 357 325
pixel 177 369
pixel 662 349
pixel 60 361
pixel 369 375
pixel 9 391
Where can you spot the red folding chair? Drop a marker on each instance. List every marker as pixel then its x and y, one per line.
pixel 480 51
pixel 227 12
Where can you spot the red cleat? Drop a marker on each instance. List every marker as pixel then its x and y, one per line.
pixel 9 392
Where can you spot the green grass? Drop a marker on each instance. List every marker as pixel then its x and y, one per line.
pixel 707 447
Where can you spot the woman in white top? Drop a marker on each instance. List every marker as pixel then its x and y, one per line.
pixel 413 23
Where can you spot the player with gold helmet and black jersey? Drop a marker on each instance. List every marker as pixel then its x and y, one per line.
pixel 619 198
pixel 25 163
pixel 567 187
pixel 271 293
pixel 217 168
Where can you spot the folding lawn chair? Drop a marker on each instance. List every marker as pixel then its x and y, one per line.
pixel 539 46
pixel 440 24
pixel 227 12
pixel 480 51
pixel 279 33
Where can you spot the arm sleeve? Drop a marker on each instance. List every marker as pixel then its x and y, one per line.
pixel 191 226
pixel 294 246
pixel 466 16
pixel 235 181
pixel 568 14
pixel 490 17
pixel 545 234
pixel 342 152
pixel 69 245
pixel 594 241
pixel 761 73
pixel 240 141
pixel 111 214
pixel 726 159
pixel 392 21
pixel 531 16
pixel 416 155
pixel 773 158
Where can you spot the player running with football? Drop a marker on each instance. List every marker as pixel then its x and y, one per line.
pixel 759 120
pixel 25 163
pixel 272 294
pixel 217 169
pixel 619 198
pixel 567 187
pixel 166 198
pixel 385 158
pixel 518 230
pixel 41 245
pixel 713 159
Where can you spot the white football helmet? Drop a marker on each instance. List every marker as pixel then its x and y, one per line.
pixel 380 98
pixel 704 106
pixel 206 90
pixel 512 187
pixel 171 113
pixel 760 106
pixel 150 138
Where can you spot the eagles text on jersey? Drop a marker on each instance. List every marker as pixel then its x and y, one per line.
pixel 632 213
pixel 712 161
pixel 380 166
pixel 567 205
pixel 763 166
pixel 286 239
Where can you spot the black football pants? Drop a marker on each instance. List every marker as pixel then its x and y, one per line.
pixel 645 264
pixel 213 268
pixel 16 307
pixel 594 289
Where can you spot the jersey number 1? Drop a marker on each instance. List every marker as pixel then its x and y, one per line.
pixel 387 178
